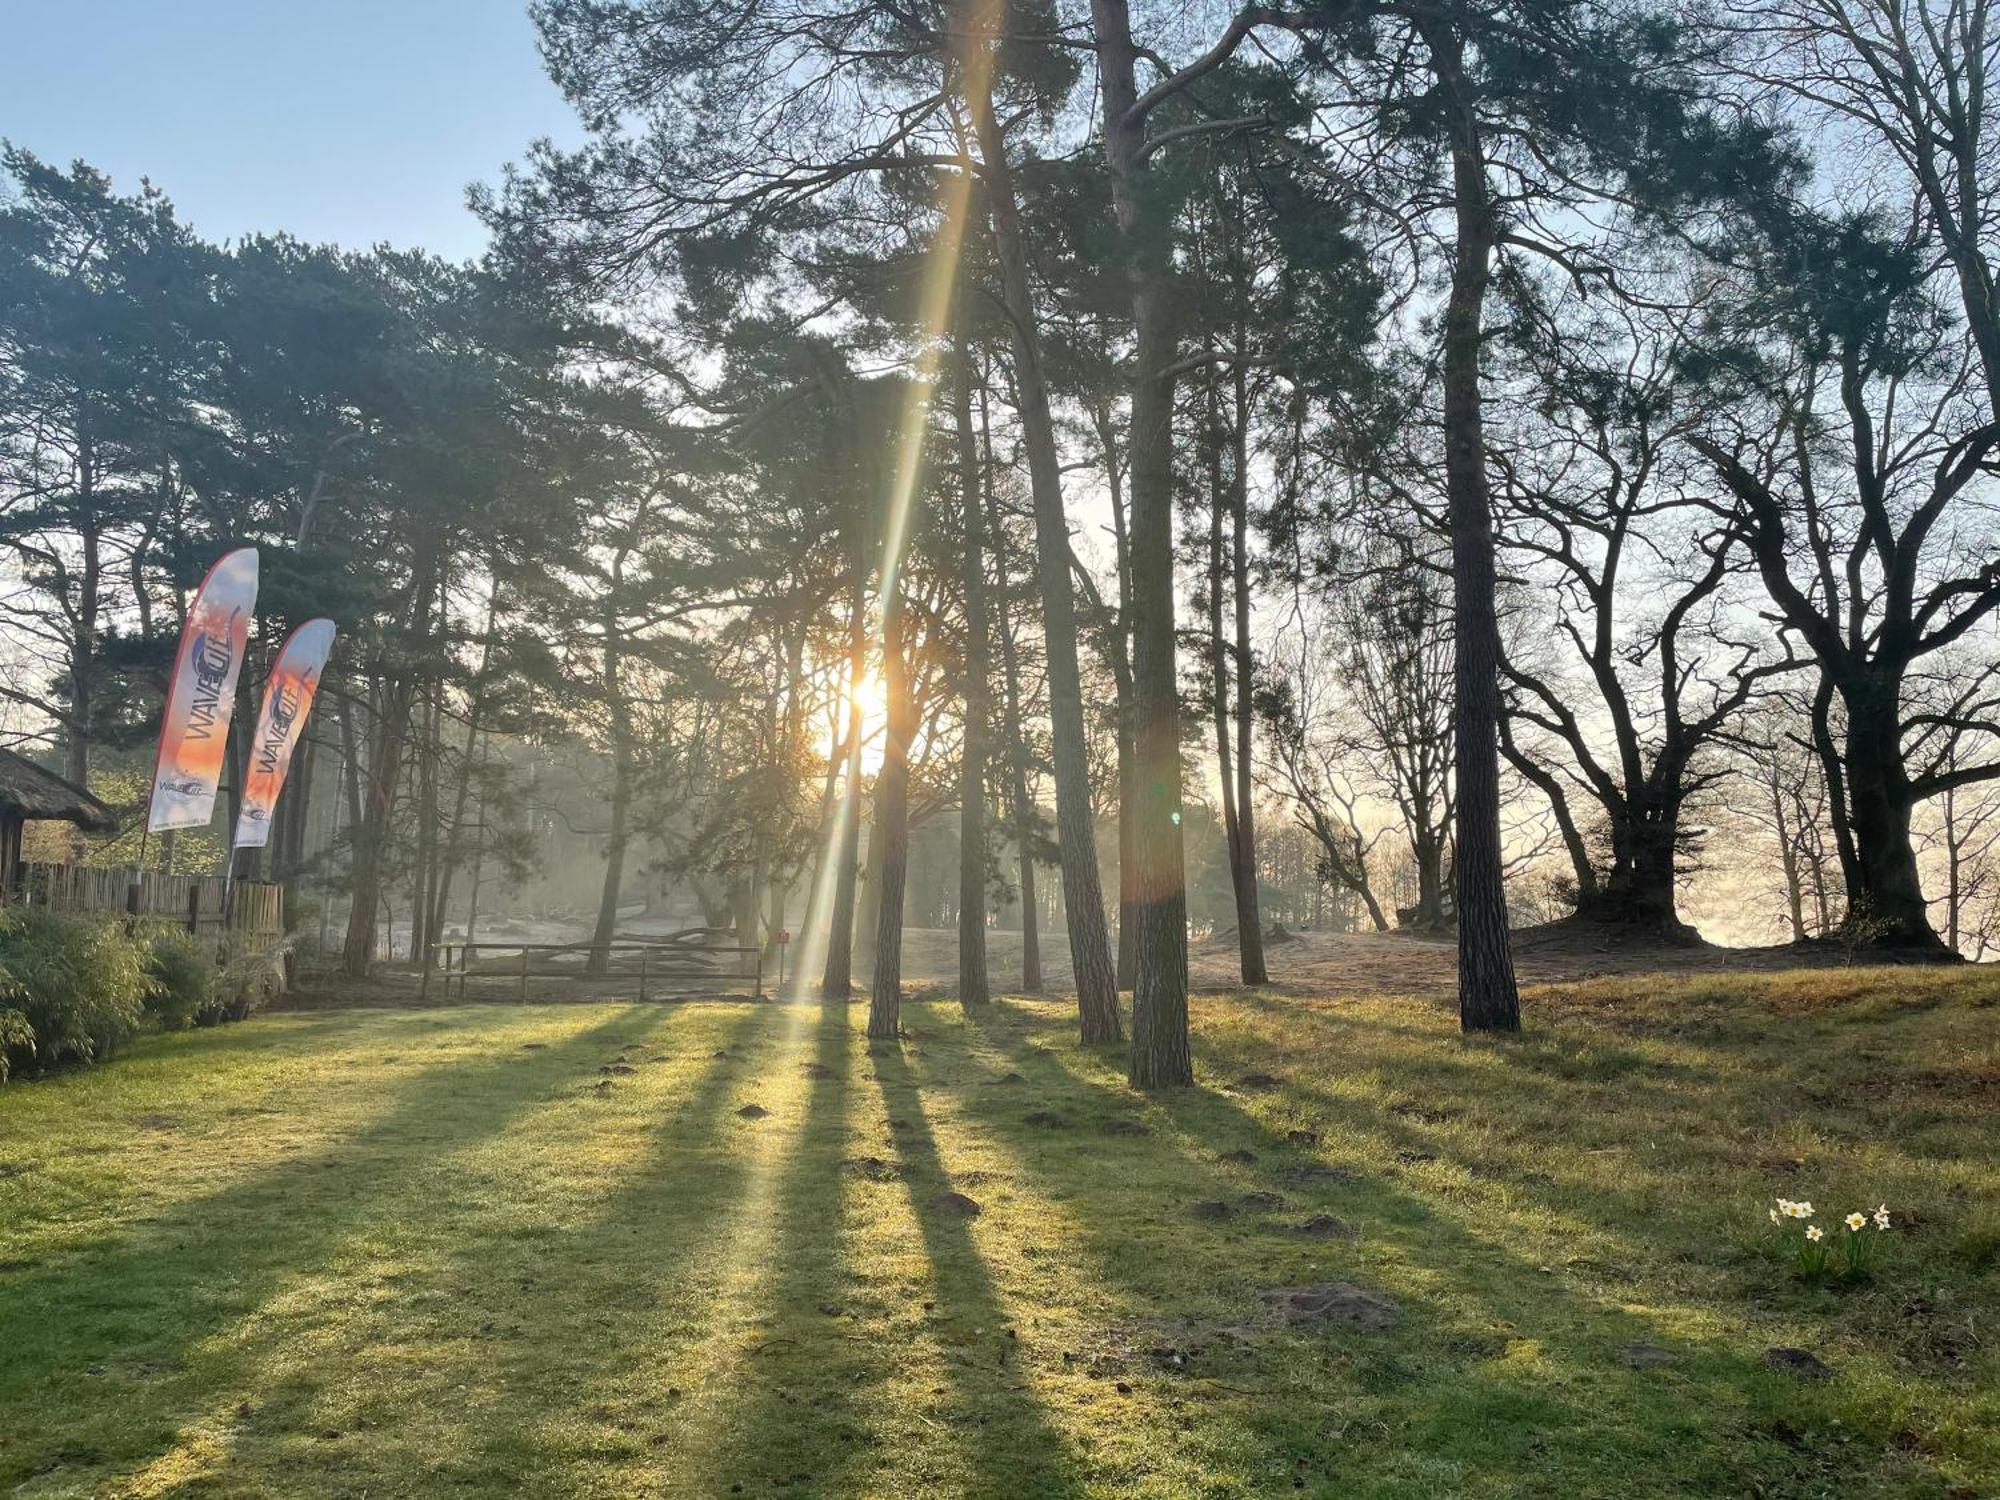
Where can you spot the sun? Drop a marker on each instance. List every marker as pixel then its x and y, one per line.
pixel 873 695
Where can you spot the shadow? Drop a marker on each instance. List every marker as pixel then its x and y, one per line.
pixel 156 1303
pixel 995 1418
pixel 803 1414
pixel 1500 1364
pixel 610 1340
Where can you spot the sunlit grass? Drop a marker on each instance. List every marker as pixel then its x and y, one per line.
pixel 538 1250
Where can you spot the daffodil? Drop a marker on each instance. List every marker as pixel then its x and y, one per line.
pixel 1776 1218
pixel 1882 1217
pixel 1855 1221
pixel 1813 1233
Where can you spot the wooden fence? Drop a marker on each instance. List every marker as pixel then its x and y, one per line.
pixel 255 912
pixel 698 961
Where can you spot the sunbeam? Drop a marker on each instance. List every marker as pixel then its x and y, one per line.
pixel 934 303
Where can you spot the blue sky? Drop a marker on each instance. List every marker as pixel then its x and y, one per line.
pixel 354 121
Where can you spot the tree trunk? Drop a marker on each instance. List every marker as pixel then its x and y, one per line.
pixel 892 827
pixel 454 844
pixel 1640 889
pixel 430 849
pixel 83 664
pixel 1488 999
pixel 619 714
pixel 1121 675
pixel 972 979
pixel 1879 801
pixel 1023 810
pixel 371 827
pixel 1788 856
pixel 1249 919
pixel 868 903
pixel 837 976
pixel 1083 896
pixel 1160 1056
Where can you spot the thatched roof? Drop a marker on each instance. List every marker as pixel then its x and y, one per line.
pixel 27 791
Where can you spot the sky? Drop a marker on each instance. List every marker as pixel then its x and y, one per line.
pixel 353 121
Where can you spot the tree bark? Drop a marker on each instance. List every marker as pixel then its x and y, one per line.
pixel 977 697
pixel 892 826
pixel 837 975
pixel 1880 802
pixel 1488 999
pixel 619 714
pixel 1022 809
pixel 1160 1056
pixel 1083 896
pixel 1120 657
pixel 1243 849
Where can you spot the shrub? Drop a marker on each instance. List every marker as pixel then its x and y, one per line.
pixel 15 1035
pixel 251 981
pixel 77 984
pixel 187 985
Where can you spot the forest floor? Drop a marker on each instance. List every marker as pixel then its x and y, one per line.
pixel 715 1249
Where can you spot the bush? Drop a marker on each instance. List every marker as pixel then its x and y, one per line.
pixel 187 985
pixel 251 981
pixel 76 986
pixel 16 1035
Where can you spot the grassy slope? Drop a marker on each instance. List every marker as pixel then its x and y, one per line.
pixel 436 1253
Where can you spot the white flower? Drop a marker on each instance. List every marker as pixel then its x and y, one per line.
pixel 1854 1222
pixel 1813 1233
pixel 1882 1217
pixel 1775 1218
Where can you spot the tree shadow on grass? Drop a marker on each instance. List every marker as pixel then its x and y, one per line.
pixel 578 1384
pixel 1000 1426
pixel 805 1403
pixel 138 1312
pixel 1500 1365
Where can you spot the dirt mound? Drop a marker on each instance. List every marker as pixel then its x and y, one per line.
pixel 1334 1303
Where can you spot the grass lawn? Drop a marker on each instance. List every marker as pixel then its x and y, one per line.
pixel 554 1250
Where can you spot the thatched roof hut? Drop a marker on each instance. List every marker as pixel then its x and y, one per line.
pixel 28 793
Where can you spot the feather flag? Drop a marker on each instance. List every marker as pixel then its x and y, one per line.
pixel 288 700
pixel 194 730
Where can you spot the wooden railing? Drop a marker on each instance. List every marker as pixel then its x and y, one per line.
pixel 683 962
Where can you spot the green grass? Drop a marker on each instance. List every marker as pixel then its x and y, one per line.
pixel 444 1252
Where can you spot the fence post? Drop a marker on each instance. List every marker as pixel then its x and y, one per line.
pixel 757 983
pixel 524 971
pixel 643 956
